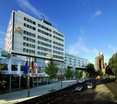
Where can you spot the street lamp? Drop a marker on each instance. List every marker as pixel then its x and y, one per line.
pixel 61 80
pixel 62 73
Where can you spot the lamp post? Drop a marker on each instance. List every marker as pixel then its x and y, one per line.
pixel 62 73
pixel 28 84
pixel 61 80
pixel 28 80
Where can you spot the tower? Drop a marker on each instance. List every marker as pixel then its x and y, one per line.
pixel 99 62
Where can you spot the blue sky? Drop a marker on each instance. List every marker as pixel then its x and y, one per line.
pixel 89 26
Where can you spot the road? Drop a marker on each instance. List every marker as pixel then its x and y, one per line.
pixel 102 94
pixel 18 96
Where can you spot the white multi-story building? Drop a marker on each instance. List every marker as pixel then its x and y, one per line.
pixel 75 62
pixel 35 38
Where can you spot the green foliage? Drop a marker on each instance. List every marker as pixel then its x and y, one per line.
pixel 113 63
pixel 1 67
pixel 90 67
pixel 100 73
pixel 78 74
pixel 51 70
pixel 91 70
pixel 68 73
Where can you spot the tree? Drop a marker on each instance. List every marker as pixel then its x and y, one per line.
pixel 78 74
pixel 51 70
pixel 113 63
pixel 90 69
pixel 109 70
pixel 1 67
pixel 68 73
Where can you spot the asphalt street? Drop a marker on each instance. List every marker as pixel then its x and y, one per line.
pixel 101 94
pixel 18 96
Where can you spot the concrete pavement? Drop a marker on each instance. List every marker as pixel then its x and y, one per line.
pixel 18 96
pixel 106 91
pixel 113 88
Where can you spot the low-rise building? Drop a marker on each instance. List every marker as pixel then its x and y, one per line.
pixel 75 62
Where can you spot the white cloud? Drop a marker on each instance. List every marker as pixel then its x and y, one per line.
pixel 82 50
pixel 26 5
pixel 98 13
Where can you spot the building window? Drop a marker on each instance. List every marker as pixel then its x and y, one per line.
pixel 42 53
pixel 60 57
pixel 22 67
pixel 29 33
pixel 28 45
pixel 58 43
pixel 29 39
pixel 58 48
pixel 29 26
pixel 58 38
pixel 45 44
pixel 29 20
pixel 45 33
pixel 58 33
pixel 28 51
pixel 46 22
pixel 44 49
pixel 57 52
pixel 3 67
pixel 14 67
pixel 43 27
pixel 45 39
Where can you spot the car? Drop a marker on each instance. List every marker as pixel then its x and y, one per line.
pixel 80 87
pixel 90 85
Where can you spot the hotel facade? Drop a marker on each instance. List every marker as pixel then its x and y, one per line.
pixel 34 38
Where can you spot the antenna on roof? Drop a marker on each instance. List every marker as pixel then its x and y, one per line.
pixel 43 17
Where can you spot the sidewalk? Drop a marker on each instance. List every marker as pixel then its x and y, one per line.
pixel 113 88
pixel 18 96
pixel 106 91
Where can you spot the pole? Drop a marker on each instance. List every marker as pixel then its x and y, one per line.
pixel 19 82
pixel 19 77
pixel 28 84
pixel 61 80
pixel 28 80
pixel 9 82
pixel 37 81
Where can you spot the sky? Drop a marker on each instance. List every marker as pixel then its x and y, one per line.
pixel 89 26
